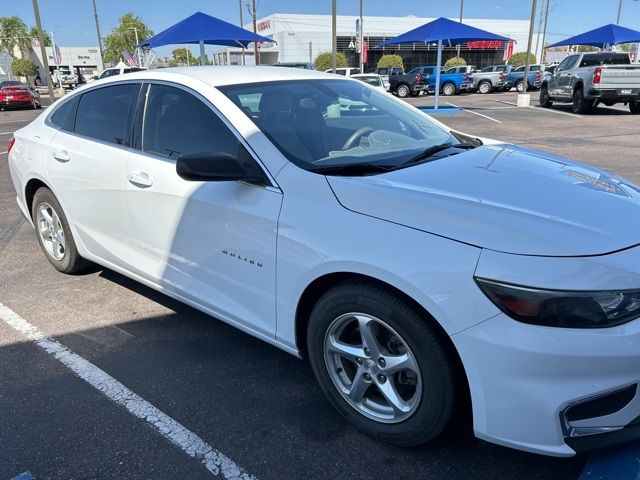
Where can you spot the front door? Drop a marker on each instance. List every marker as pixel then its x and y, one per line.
pixel 213 243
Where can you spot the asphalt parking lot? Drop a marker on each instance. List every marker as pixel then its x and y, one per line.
pixel 256 405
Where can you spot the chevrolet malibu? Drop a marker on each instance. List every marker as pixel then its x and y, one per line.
pixel 421 270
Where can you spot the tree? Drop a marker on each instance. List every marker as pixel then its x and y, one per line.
pixel 587 48
pixel 520 58
pixel 323 61
pixel 390 61
pixel 180 57
pixel 455 62
pixel 23 67
pixel 123 37
pixel 14 34
pixel 33 33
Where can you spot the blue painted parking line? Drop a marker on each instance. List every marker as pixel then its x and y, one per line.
pixel 616 463
pixel 24 476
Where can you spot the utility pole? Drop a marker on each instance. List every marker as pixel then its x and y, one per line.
pixel 43 50
pixel 619 12
pixel 361 39
pixel 95 15
pixel 542 8
pixel 334 40
pixel 461 13
pixel 529 44
pixel 241 26
pixel 544 34
pixel 256 52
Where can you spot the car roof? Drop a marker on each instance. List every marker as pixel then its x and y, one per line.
pixel 223 75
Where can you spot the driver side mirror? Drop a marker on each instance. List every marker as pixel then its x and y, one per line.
pixel 220 167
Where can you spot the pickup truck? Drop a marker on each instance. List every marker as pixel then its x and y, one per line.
pixel 450 83
pixel 385 73
pixel 588 79
pixel 486 81
pixel 64 78
pixel 408 84
pixel 534 79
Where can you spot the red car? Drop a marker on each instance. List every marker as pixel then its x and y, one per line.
pixel 18 95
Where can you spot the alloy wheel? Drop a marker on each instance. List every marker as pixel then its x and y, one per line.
pixel 51 231
pixel 372 367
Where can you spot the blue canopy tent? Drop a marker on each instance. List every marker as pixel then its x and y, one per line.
pixel 442 30
pixel 204 29
pixel 603 37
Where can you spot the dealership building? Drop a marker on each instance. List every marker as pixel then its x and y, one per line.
pixel 80 60
pixel 299 38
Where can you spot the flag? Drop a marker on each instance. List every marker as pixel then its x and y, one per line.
pixel 129 58
pixel 365 52
pixel 508 51
pixel 57 55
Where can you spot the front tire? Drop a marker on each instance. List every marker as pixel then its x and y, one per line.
pixel 448 89
pixel 520 86
pixel 545 99
pixel 54 234
pixel 403 91
pixel 634 107
pixel 381 365
pixel 485 87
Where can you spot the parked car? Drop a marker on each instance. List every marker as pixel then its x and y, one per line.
pixel 64 78
pixel 372 79
pixel 588 79
pixel 109 72
pixel 302 65
pixel 450 83
pixel 18 95
pixel 408 84
pixel 386 73
pixel 462 69
pixel 534 79
pixel 345 72
pixel 419 269
pixel 489 81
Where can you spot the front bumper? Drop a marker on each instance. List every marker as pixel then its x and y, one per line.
pixel 524 379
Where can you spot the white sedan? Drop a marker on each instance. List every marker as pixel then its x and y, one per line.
pixel 417 268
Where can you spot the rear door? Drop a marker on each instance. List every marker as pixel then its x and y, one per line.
pixel 86 165
pixel 213 243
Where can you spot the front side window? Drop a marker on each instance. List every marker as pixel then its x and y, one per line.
pixel 326 123
pixel 105 113
pixel 177 123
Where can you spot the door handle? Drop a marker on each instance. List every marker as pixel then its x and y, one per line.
pixel 140 179
pixel 62 156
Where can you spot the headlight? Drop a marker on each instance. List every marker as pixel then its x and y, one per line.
pixel 568 309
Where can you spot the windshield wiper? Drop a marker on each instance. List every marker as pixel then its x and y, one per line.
pixel 432 151
pixel 351 169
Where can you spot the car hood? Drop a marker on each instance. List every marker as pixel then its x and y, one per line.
pixel 505 198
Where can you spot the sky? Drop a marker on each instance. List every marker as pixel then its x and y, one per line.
pixel 73 24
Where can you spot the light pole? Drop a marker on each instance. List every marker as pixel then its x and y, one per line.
pixel 334 42
pixel 43 50
pixel 529 44
pixel 461 13
pixel 361 41
pixel 256 53
pixel 620 11
pixel 241 26
pixel 95 15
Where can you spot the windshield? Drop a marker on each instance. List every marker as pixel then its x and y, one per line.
pixel 333 123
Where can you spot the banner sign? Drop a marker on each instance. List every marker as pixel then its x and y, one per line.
pixel 495 44
pixel 365 52
pixel 508 52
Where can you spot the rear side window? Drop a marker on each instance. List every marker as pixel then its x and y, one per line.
pixel 105 114
pixel 64 116
pixel 177 123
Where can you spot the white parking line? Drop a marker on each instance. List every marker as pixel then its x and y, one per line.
pixel 475 113
pixel 551 110
pixel 2 153
pixel 190 443
pixel 504 101
pixel 6 133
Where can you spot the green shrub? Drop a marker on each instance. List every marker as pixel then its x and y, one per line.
pixel 520 58
pixel 455 62
pixel 323 61
pixel 390 61
pixel 23 67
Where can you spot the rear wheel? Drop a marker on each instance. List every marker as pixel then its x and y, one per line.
pixel 54 234
pixel 381 365
pixel 485 87
pixel 634 107
pixel 448 89
pixel 520 86
pixel 545 99
pixel 580 104
pixel 403 91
